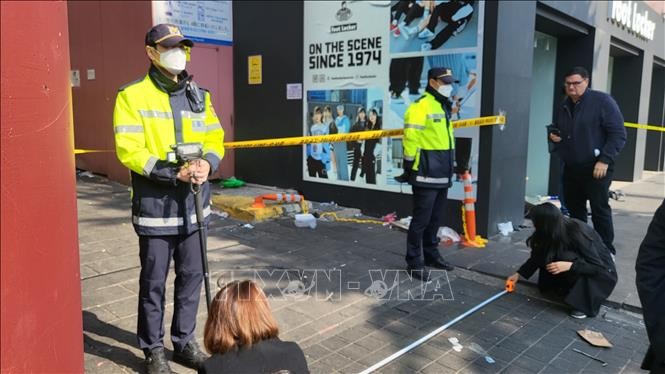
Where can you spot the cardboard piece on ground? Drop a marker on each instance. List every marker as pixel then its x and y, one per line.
pixel 594 338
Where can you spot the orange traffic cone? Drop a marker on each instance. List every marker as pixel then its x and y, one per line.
pixel 469 216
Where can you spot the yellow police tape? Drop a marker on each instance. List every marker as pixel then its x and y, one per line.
pixel 362 135
pixel 644 127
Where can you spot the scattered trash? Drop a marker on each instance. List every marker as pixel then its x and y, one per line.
pixel 590 356
pixel 100 363
pixel 594 338
pixel 86 174
pixel 390 217
pixel 342 265
pixel 305 220
pixel 232 183
pixel 481 351
pixel 222 215
pixel 332 203
pixel 457 347
pixel 505 228
pixel 248 226
pixel 617 195
pixel 448 236
pixel 405 221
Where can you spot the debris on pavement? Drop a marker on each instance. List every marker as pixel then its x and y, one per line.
pixel 505 228
pixel 590 356
pixel 594 338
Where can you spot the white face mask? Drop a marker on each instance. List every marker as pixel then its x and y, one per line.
pixel 445 90
pixel 173 60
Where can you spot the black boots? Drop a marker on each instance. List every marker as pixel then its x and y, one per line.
pixel 191 356
pixel 156 362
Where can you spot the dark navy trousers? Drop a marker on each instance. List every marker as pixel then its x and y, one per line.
pixel 428 208
pixel 156 253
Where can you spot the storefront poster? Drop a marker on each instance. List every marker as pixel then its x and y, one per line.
pixel 202 21
pixel 365 63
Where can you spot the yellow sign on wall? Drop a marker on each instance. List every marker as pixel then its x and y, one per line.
pixel 255 69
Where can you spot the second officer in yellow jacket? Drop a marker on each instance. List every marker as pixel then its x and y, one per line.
pixel 429 148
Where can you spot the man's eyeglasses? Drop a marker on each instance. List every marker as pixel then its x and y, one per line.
pixel 575 84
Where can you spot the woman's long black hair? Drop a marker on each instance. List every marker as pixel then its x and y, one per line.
pixel 554 233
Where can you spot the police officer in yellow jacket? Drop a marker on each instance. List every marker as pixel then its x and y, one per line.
pixel 162 109
pixel 428 166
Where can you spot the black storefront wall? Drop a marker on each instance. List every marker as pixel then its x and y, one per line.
pixel 262 111
pixel 654 159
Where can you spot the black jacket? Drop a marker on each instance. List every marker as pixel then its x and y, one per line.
pixel 593 270
pixel 267 356
pixel 591 130
pixel 650 280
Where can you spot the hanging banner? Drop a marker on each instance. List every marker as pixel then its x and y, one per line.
pixel 365 62
pixel 201 21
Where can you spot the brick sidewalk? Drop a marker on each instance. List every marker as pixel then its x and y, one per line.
pixel 339 326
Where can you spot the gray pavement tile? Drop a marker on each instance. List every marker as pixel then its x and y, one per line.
pixel 105 296
pixel 321 368
pixel 430 352
pixel 528 363
pixel 453 361
pixel 499 353
pixel 570 366
pixel 513 345
pixel 289 319
pixel 436 368
pixel 396 367
pixel 481 365
pixel 335 343
pixel 378 355
pixel 354 351
pixel 124 308
pixel 541 353
pixel 315 352
pixel 355 333
pixel 352 368
pixel 371 343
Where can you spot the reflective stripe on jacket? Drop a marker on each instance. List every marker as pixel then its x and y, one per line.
pixel 146 122
pixel 429 143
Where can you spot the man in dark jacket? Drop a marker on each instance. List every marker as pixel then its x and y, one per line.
pixel 588 134
pixel 650 280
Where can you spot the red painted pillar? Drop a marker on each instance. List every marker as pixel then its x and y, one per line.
pixel 41 290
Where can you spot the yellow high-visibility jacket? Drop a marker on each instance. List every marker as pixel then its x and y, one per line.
pixel 429 143
pixel 147 120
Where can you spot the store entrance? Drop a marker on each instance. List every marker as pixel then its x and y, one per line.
pixel 624 81
pixel 540 114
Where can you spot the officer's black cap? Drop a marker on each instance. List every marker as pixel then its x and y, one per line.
pixel 166 35
pixel 443 74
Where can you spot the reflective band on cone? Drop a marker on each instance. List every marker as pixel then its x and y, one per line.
pixel 279 197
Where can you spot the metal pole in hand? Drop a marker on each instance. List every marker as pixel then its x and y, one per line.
pixel 200 220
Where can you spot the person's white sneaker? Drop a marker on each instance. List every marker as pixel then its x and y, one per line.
pixel 577 314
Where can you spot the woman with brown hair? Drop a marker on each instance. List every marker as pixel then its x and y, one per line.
pixel 241 334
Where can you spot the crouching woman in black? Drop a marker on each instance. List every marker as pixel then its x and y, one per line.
pixel 572 259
